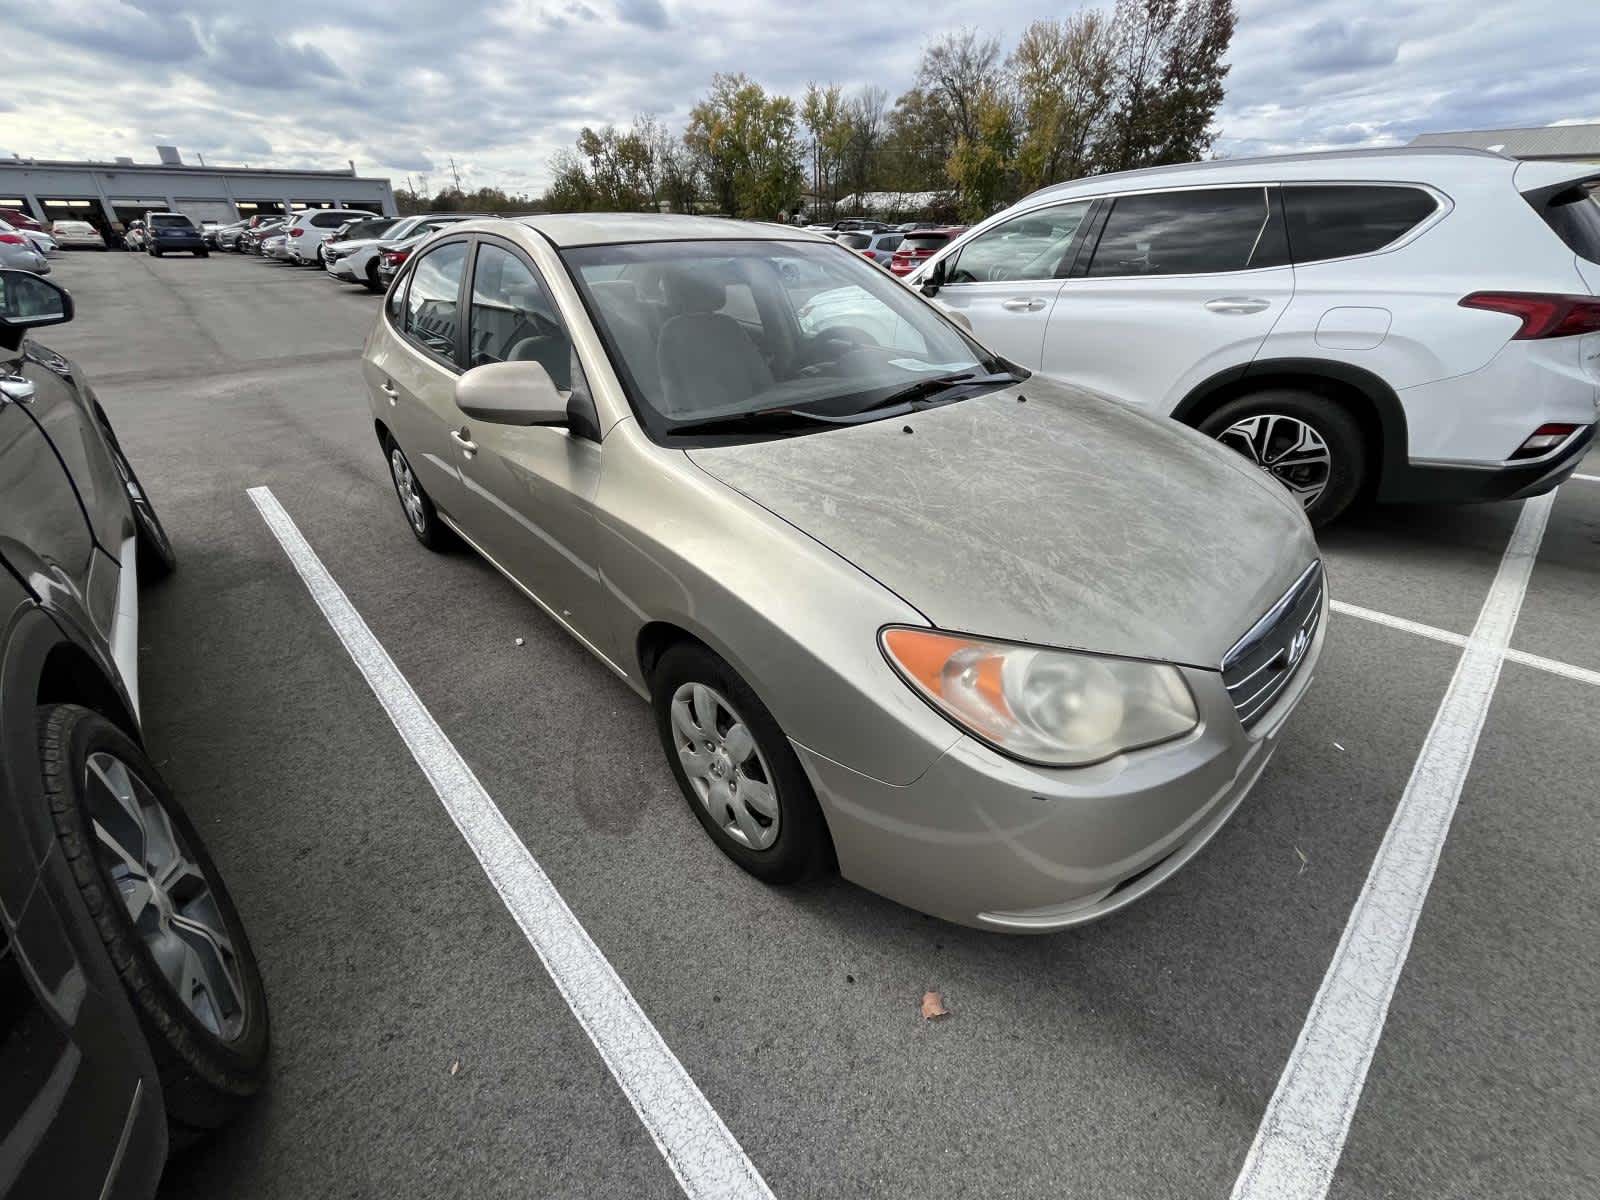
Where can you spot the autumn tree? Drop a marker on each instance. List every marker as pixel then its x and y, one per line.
pixel 1062 76
pixel 748 147
pixel 1168 81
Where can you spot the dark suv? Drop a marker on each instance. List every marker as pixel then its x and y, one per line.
pixel 173 231
pixel 132 1015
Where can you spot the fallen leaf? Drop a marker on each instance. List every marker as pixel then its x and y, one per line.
pixel 519 641
pixel 455 1066
pixel 933 1006
pixel 1301 855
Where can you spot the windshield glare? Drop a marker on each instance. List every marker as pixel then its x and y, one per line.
pixel 712 329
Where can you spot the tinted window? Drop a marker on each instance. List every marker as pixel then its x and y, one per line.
pixel 890 242
pixel 332 220
pixel 1575 218
pixel 432 314
pixel 513 319
pixel 924 241
pixel 1190 233
pixel 1333 222
pixel 855 241
pixel 1035 245
pixel 170 220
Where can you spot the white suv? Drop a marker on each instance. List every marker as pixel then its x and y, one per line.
pixel 304 233
pixel 1410 325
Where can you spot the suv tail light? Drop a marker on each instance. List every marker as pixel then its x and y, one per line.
pixel 296 231
pixel 1542 315
pixel 393 258
pixel 1544 439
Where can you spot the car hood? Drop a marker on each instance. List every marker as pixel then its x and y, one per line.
pixel 1064 519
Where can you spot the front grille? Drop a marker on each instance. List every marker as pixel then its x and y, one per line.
pixel 1263 661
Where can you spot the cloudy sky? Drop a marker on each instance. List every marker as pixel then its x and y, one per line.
pixel 402 86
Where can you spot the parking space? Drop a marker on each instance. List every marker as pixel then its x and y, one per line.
pixel 421 1048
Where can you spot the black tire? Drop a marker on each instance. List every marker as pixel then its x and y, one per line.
pixel 202 254
pixel 374 284
pixel 154 253
pixel 157 558
pixel 422 518
pixel 1326 419
pixel 802 849
pixel 206 1078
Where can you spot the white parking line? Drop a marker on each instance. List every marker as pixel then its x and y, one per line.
pixel 1553 665
pixel 1588 478
pixel 1303 1131
pixel 698 1147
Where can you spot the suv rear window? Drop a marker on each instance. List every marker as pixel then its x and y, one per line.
pixel 924 241
pixel 1574 216
pixel 1336 221
pixel 854 241
pixel 170 220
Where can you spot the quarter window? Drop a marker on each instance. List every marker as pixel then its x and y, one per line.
pixel 1198 232
pixel 1336 221
pixel 513 319
pixel 1036 245
pixel 432 301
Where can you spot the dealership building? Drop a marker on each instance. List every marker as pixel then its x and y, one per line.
pixel 115 193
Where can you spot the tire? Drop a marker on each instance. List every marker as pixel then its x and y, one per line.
pixel 154 253
pixel 374 284
pixel 415 504
pixel 211 1052
pixel 800 848
pixel 202 254
pixel 157 558
pixel 1313 430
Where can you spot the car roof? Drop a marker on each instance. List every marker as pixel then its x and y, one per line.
pixel 594 229
pixel 1415 163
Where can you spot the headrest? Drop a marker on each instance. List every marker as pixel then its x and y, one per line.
pixel 690 291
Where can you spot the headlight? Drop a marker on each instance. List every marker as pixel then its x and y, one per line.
pixel 1053 707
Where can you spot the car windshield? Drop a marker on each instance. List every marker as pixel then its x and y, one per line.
pixel 708 330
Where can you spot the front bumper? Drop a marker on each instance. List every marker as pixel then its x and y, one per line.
pixel 982 840
pixel 340 268
pixel 182 244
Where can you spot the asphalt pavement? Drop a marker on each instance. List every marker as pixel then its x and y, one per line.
pixel 420 1048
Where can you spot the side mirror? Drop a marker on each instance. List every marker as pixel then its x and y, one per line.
pixel 934 280
pixel 27 302
pixel 511 393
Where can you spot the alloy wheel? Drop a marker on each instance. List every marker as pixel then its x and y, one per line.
pixel 724 766
pixel 410 493
pixel 166 893
pixel 1286 448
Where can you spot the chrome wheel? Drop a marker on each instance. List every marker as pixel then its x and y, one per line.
pixel 405 483
pixel 1286 448
pixel 167 895
pixel 724 766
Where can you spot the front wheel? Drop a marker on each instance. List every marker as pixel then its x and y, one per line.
pixel 736 768
pixel 1308 443
pixel 168 923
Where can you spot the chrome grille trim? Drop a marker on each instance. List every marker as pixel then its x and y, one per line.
pixel 1263 662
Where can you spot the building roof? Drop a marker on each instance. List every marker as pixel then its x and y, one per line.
pixel 50 164
pixel 1547 141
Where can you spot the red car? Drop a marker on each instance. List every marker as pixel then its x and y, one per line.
pixel 18 219
pixel 920 245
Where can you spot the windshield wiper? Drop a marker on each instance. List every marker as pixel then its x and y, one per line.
pixel 924 389
pixel 756 420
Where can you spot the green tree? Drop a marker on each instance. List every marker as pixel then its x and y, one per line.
pixel 1062 74
pixel 980 163
pixel 748 145
pixel 1168 82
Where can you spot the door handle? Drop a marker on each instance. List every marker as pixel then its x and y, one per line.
pixel 388 390
pixel 1237 305
pixel 16 388
pixel 468 446
pixel 1022 304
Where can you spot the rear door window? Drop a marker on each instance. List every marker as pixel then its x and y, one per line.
pixel 1337 220
pixel 432 314
pixel 1202 231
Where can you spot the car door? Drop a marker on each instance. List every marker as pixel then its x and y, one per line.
pixel 1181 284
pixel 415 366
pixel 1005 280
pixel 528 492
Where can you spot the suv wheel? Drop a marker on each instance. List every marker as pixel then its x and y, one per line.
pixel 159 905
pixel 1308 443
pixel 736 768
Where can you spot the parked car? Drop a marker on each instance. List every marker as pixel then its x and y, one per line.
pixel 250 241
pixel 921 244
pixel 355 230
pixel 1405 324
pixel 227 236
pixel 392 251
pixel 353 254
pixel 17 253
pixel 880 246
pixel 170 232
pixel 305 230
pixel 275 244
pixel 42 243
pixel 1011 722
pixel 77 235
pixel 18 219
pixel 135 238
pixel 132 1013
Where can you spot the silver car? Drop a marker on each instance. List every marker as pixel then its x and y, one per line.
pixel 19 253
pixel 1001 650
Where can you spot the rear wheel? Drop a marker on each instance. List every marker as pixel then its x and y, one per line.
pixel 164 915
pixel 414 502
pixel 1308 443
pixel 736 768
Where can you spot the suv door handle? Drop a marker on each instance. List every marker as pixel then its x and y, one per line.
pixel 1237 305
pixel 388 390
pixel 468 446
pixel 1022 304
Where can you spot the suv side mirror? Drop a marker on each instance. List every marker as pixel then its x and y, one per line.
pixel 511 393
pixel 934 281
pixel 27 302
